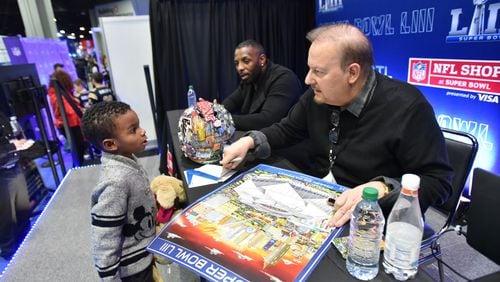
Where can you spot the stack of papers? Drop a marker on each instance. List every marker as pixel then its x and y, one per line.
pixel 207 174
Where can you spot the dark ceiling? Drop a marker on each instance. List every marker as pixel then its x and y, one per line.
pixel 70 15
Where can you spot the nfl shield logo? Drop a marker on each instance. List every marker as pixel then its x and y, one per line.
pixel 419 71
pixel 16 51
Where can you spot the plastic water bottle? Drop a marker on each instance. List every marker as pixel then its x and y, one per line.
pixel 191 96
pixel 365 235
pixel 404 231
pixel 17 130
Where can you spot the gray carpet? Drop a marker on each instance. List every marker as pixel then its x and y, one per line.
pixel 458 254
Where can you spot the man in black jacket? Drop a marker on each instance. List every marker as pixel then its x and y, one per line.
pixel 266 91
pixel 367 129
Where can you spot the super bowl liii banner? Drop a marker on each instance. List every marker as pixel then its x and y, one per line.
pixel 449 49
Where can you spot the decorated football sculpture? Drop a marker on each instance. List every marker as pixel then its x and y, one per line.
pixel 203 129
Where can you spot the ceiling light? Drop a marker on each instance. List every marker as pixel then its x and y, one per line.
pixel 90 31
pixel 62 31
pixel 81 36
pixel 82 28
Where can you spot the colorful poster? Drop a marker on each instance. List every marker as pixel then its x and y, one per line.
pixel 448 49
pixel 267 224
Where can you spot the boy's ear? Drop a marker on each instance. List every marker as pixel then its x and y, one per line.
pixel 109 145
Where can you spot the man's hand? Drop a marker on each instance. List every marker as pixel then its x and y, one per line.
pixel 238 149
pixel 347 201
pixel 18 143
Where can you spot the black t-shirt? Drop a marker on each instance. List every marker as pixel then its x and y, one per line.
pixel 101 94
pixel 83 99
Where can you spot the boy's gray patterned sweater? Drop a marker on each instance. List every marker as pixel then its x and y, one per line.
pixel 123 212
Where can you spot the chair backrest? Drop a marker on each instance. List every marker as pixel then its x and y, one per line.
pixel 483 225
pixel 462 148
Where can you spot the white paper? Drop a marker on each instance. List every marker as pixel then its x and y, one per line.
pixel 197 180
pixel 217 171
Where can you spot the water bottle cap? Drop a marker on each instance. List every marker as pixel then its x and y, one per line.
pixel 370 194
pixel 410 181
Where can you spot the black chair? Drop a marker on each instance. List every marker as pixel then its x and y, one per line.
pixel 483 226
pixel 462 148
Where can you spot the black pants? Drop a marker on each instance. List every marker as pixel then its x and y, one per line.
pixel 144 276
pixel 14 209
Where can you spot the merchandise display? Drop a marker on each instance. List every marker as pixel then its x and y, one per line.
pixel 203 129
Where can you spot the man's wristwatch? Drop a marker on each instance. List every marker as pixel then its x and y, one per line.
pixel 387 189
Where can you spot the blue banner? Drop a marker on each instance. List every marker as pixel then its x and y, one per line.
pixel 449 49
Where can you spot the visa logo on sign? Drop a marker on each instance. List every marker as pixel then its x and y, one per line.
pixel 477 31
pixel 488 98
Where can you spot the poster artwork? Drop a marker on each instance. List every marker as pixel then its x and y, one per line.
pixel 267 224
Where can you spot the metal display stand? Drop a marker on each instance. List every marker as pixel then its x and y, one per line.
pixel 39 100
pixel 69 135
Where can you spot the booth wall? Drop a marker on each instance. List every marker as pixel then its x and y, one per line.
pixel 42 52
pixel 449 49
pixel 128 45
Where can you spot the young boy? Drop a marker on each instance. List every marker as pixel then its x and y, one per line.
pixel 81 93
pixel 123 209
pixel 101 93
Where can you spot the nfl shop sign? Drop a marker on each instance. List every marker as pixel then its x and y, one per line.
pixel 471 75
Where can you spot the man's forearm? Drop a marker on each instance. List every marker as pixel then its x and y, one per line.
pixel 259 143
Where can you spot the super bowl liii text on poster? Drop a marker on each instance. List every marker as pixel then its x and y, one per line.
pixel 482 26
pixel 475 23
pixel 194 261
pixel 411 22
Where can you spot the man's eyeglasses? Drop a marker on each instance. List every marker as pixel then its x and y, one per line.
pixel 334 132
pixel 333 136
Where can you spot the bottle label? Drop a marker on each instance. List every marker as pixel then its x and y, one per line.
pixel 402 245
pixel 365 235
pixel 409 192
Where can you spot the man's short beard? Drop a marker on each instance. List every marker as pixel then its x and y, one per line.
pixel 318 100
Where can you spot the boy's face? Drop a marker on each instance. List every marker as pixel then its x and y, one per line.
pixel 78 87
pixel 129 137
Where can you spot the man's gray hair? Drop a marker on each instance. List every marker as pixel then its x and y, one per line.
pixel 354 45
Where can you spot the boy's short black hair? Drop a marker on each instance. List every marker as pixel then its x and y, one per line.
pixel 98 77
pixel 98 122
